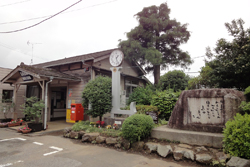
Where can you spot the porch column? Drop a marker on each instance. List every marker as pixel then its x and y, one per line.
pixel 14 100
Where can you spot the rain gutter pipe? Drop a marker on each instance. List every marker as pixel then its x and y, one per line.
pixel 46 102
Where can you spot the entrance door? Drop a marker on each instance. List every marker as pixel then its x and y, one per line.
pixel 58 103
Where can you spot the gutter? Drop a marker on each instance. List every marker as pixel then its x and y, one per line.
pixel 46 102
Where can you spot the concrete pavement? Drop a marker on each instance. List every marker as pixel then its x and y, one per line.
pixel 56 151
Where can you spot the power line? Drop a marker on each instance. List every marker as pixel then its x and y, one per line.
pixel 35 18
pixel 42 20
pixel 13 49
pixel 14 3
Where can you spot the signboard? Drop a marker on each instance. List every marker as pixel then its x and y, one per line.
pixel 25 76
pixel 205 110
pixel 154 115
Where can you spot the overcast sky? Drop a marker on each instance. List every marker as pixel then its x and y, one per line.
pixel 97 25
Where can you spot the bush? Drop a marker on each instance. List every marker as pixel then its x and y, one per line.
pixel 98 93
pixel 245 107
pixel 165 102
pixel 137 127
pixel 142 109
pixel 141 95
pixel 247 93
pixel 32 109
pixel 236 139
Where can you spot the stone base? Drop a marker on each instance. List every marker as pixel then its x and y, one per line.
pixel 188 137
pixel 111 121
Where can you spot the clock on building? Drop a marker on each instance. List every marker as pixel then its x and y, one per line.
pixel 116 58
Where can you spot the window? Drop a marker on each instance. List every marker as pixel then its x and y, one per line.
pixel 33 91
pixel 7 96
pixel 130 85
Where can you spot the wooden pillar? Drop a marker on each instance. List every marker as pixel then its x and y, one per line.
pixel 14 100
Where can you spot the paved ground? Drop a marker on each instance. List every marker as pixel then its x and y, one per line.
pixel 28 151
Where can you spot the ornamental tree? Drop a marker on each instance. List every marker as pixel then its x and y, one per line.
pixel 155 42
pixel 98 93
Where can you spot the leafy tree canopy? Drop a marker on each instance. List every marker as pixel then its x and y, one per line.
pixel 231 63
pixel 206 79
pixel 155 42
pixel 176 80
pixel 98 93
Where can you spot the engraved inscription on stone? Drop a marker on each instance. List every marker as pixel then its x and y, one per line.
pixel 205 110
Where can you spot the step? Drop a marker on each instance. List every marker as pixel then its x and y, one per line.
pixel 188 137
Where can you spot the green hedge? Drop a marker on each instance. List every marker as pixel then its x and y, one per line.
pixel 142 109
pixel 137 127
pixel 236 139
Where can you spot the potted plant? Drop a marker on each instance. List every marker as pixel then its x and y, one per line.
pixel 33 111
pixel 13 123
pixel 4 124
pixel 26 130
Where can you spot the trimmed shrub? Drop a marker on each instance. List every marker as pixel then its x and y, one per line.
pixel 237 136
pixel 165 102
pixel 142 109
pixel 137 127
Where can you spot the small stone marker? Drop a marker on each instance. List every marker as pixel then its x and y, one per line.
pixel 154 115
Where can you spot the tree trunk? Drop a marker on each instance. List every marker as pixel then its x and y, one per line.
pixel 100 118
pixel 156 74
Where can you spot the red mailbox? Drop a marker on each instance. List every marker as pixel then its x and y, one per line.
pixel 77 111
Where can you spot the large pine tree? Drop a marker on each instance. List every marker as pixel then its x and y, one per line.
pixel 155 42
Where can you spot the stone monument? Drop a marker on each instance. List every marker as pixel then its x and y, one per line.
pixel 205 110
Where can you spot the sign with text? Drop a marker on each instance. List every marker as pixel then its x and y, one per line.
pixel 205 110
pixel 25 76
pixel 154 115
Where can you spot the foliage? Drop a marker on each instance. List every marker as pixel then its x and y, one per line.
pixel 85 126
pixel 245 107
pixel 161 122
pixel 247 93
pixel 137 127
pixel 142 109
pixel 204 80
pixel 155 42
pixel 165 102
pixel 176 80
pixel 33 109
pixel 194 83
pixel 98 93
pixel 231 61
pixel 237 136
pixel 141 95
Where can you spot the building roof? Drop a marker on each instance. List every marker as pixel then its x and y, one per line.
pixel 97 56
pixel 74 59
pixel 38 73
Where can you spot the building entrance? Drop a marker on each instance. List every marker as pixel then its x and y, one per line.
pixel 58 103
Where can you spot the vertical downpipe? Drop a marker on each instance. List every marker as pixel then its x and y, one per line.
pixel 46 102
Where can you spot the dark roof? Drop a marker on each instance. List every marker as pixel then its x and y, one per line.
pixel 97 56
pixel 91 56
pixel 39 72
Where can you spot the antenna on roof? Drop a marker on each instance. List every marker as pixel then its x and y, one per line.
pixel 32 44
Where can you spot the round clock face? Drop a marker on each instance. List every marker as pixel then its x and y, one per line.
pixel 116 58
